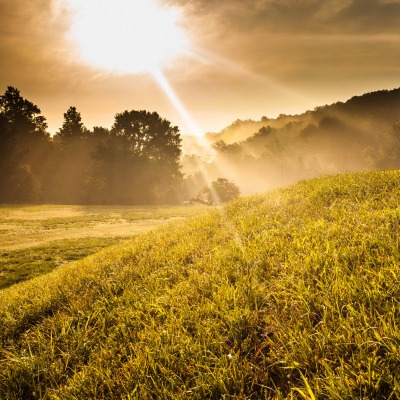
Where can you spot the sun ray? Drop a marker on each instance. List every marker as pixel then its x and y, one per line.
pixel 167 89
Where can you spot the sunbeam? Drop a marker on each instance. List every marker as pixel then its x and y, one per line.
pixel 167 89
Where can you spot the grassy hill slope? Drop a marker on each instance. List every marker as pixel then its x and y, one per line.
pixel 291 294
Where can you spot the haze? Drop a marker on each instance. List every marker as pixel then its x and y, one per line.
pixel 201 64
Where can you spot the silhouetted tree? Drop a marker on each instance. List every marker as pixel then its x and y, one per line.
pixel 148 135
pixel 72 128
pixel 24 143
pixel 73 154
pixel 139 163
pixel 21 115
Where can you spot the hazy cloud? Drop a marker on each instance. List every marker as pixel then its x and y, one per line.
pixel 370 16
pixel 297 15
pixel 265 34
pixel 30 40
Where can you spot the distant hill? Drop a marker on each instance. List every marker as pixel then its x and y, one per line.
pixel 362 133
pixel 378 108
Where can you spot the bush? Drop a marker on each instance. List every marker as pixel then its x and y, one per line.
pixel 221 191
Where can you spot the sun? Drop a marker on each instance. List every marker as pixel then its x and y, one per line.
pixel 127 36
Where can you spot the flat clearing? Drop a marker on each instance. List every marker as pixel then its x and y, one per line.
pixel 27 226
pixel 36 239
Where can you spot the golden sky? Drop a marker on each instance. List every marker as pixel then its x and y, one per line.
pixel 199 63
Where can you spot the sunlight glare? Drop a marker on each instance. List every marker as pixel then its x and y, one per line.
pixel 126 36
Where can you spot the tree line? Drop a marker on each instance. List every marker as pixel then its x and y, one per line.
pixel 137 161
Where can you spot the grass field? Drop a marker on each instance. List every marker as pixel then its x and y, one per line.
pixel 36 239
pixel 294 294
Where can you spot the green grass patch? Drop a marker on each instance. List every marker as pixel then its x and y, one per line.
pixel 23 264
pixel 293 294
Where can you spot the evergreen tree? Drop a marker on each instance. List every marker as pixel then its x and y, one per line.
pixel 73 158
pixel 72 128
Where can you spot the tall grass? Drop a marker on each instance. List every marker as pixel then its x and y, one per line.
pixel 291 294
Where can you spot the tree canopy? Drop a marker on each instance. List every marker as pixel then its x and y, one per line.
pixel 147 134
pixel 139 161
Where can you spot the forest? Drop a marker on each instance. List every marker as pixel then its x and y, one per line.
pixel 137 161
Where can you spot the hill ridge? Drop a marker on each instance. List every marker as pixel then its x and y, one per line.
pixel 385 97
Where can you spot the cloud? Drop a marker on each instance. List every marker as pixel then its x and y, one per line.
pixel 238 23
pixel 272 35
pixel 283 16
pixel 29 36
pixel 370 16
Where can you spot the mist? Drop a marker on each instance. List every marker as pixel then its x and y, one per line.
pixel 360 134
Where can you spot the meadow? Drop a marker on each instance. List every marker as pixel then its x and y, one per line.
pixel 37 239
pixel 293 294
